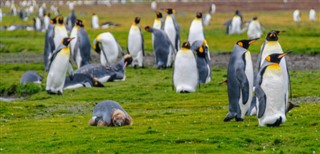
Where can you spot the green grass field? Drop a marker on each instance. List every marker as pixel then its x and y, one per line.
pixel 164 121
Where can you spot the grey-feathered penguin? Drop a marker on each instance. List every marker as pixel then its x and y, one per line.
pixel 270 91
pixel 240 81
pixel 80 45
pixel 201 49
pixel 49 45
pixel 109 113
pixel 161 46
pixel 30 76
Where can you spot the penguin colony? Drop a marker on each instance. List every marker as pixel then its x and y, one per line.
pixel 191 64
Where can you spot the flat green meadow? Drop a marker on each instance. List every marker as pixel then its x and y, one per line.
pixel 163 120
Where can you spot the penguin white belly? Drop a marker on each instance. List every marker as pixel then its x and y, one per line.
pixel 249 74
pixel 74 34
pixel 170 30
pixel 254 30
pixel 270 48
pixel 157 24
pixel 57 73
pixel 185 75
pixel 273 87
pixel 196 31
pixel 135 45
pixel 110 48
pixel 235 25
pixel 207 19
pixel 95 22
pixel 60 32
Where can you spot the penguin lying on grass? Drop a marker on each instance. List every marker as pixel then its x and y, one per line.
pixel 109 113
pixel 81 80
pixel 270 91
pixel 58 66
pixel 106 73
pixel 31 76
pixel 240 81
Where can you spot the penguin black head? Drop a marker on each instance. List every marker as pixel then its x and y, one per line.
pixel 255 18
pixel 66 41
pixel 201 50
pixel 147 28
pixel 60 20
pixel 186 45
pixel 127 60
pixel 276 57
pixel 273 35
pixel 199 15
pixel 53 21
pixel 79 23
pixel 237 12
pixel 137 20
pixel 246 43
pixel 159 14
pixel 170 11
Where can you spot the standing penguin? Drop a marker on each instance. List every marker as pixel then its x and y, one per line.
pixel 46 21
pixel 240 80
pixel 59 65
pixel 312 15
pixel 37 24
pixel 80 45
pixel 234 26
pixel 136 44
pixel 60 31
pixel 95 21
pixel 196 29
pixel 296 16
pixel 158 21
pixel 271 46
pixel 172 29
pixel 185 73
pixel 270 91
pixel 254 29
pixel 110 48
pixel 71 20
pixel 207 18
pixel 49 45
pixel 161 47
pixel 201 49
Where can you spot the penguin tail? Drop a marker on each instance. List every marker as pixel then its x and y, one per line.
pixel 273 121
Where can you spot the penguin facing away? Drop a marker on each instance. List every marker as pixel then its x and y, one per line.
pixel 136 43
pixel 196 29
pixel 109 113
pixel 185 73
pixel 109 49
pixel 270 91
pixel 240 81
pixel 59 65
pixel 201 49
pixel 161 47
pixel 172 29
pixel 80 45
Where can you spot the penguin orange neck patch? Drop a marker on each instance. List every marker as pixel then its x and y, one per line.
pixel 275 66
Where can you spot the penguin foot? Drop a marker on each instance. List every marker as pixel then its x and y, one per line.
pixel 184 91
pixel 277 123
pixel 50 92
pixel 229 117
pixel 239 119
pixel 59 93
pixel 135 66
pixel 291 106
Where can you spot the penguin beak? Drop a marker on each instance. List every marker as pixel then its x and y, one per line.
pixel 69 40
pixel 252 41
pixel 284 54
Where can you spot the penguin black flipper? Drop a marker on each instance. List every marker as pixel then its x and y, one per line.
pixel 54 54
pixel 244 84
pixel 260 93
pixel 260 55
pixel 142 42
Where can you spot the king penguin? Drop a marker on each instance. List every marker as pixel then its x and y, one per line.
pixel 49 45
pixel 185 73
pixel 136 43
pixel 270 46
pixel 240 80
pixel 270 91
pixel 60 31
pixel 158 21
pixel 80 45
pixel 235 25
pixel 172 29
pixel 110 48
pixel 59 65
pixel 196 29
pixel 161 47
pixel 201 49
